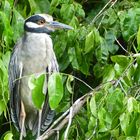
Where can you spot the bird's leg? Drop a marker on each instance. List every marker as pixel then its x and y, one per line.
pixel 39 122
pixel 22 119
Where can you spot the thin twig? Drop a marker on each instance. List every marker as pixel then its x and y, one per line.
pixel 78 104
pixel 100 12
pixel 113 3
pixel 123 74
pixel 57 138
pixel 26 76
pixel 121 46
pixel 105 15
pixel 39 123
pixel 69 124
pixel 94 131
pixel 122 87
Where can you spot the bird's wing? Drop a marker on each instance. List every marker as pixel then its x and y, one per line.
pixel 47 113
pixel 15 71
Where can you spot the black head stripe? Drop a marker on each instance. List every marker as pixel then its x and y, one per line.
pixel 34 18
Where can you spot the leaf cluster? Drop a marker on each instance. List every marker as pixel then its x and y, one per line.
pixel 103 49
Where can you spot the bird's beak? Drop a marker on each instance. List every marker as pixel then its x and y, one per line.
pixel 58 25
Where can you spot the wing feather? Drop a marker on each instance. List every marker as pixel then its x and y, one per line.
pixel 14 83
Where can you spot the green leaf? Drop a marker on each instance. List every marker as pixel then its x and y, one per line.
pixel 73 58
pixel 37 90
pixel 55 90
pixel 110 39
pixel 33 6
pixel 137 71
pixel 102 52
pixel 130 104
pixel 44 6
pixel 92 123
pixel 17 25
pixel 133 105
pixel 121 60
pixel 68 84
pixel 129 22
pixel 108 73
pixel 74 23
pixel 2 106
pixel 8 32
pixel 64 61
pixel 138 39
pixel 54 3
pixel 102 123
pixel 79 11
pixel 114 103
pixel 60 46
pixel 93 39
pixel 124 121
pixel 93 106
pixel 6 58
pixel 67 16
pixel 7 8
pixel 8 136
pixel 89 43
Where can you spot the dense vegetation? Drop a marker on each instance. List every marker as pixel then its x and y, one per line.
pixel 100 56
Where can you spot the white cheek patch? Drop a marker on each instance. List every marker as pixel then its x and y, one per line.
pixel 33 25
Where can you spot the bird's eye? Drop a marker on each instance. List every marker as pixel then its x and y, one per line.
pixel 40 22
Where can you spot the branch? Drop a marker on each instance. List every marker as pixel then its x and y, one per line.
pixel 68 115
pixel 76 107
pixel 102 10
pixel 69 123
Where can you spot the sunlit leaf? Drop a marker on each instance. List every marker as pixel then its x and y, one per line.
pixel 55 89
pixel 68 84
pixel 109 73
pixel 2 106
pixel 93 107
pixel 89 43
pixel 124 121
pixel 121 60
pixel 138 39
pixel 37 91
pixel 8 136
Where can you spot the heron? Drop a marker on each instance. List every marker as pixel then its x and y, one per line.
pixel 33 53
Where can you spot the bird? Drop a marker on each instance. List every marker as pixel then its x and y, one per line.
pixel 33 53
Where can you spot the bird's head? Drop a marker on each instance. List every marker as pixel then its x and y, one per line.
pixel 43 23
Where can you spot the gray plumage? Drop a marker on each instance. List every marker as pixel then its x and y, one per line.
pixel 33 54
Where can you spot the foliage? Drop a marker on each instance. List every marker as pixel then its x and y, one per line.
pixel 55 90
pixel 102 50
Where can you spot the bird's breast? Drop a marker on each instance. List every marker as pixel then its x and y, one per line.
pixel 36 55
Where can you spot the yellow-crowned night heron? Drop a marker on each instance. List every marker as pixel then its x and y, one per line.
pixel 33 53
